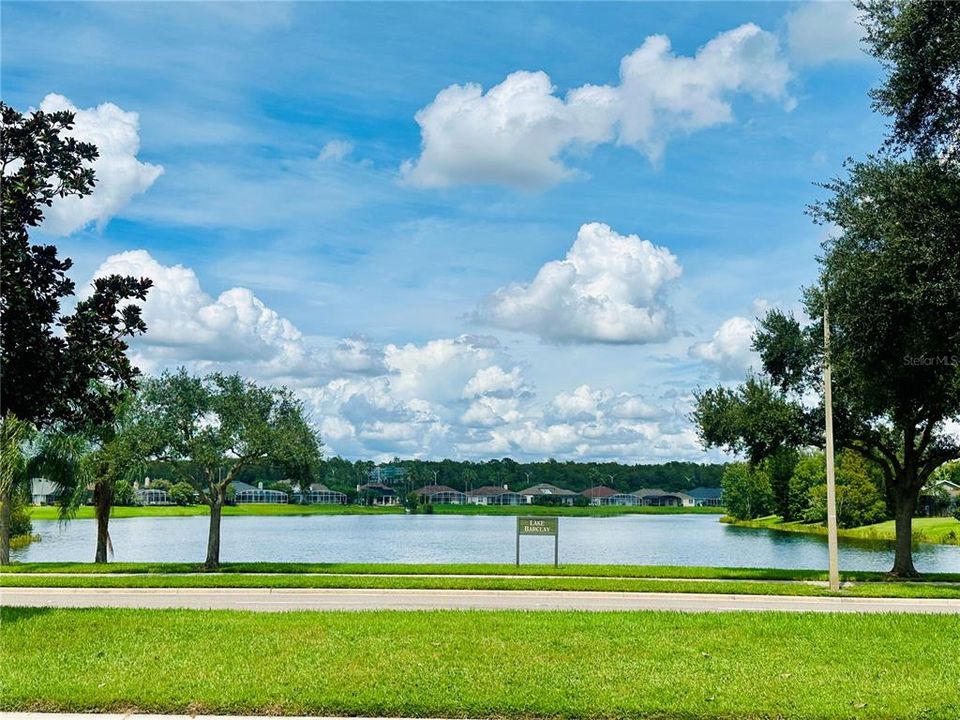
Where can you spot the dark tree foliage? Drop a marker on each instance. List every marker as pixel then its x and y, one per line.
pixel 891 280
pixel 51 361
pixel 918 41
pixel 577 476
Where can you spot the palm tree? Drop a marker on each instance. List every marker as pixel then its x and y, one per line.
pixel 26 453
pixel 107 455
pixel 14 473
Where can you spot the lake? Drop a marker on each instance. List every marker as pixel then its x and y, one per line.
pixel 626 539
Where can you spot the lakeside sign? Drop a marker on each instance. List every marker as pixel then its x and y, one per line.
pixel 543 526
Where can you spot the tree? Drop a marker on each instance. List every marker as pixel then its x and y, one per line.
pixel 918 43
pixel 49 362
pixel 892 285
pixel 859 498
pixel 111 461
pixel 889 278
pixel 210 429
pixel 15 435
pixel 165 485
pixel 746 491
pixel 779 469
pixel 810 472
pixel 26 453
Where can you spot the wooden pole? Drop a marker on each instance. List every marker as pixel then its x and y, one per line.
pixel 832 550
pixel 518 542
pixel 556 546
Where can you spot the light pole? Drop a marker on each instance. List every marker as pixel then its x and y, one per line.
pixel 832 551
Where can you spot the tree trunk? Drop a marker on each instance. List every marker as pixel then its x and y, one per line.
pixel 5 503
pixel 103 502
pixel 903 558
pixel 213 540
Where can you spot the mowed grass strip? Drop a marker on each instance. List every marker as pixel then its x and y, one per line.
pixel 482 664
pixel 251 509
pixel 609 571
pixel 414 582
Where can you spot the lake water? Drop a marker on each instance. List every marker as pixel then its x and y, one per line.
pixel 626 539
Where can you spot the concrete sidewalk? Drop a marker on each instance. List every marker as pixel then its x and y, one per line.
pixel 275 599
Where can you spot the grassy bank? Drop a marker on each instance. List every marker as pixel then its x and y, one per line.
pixel 434 582
pixel 21 541
pixel 944 531
pixel 542 664
pixel 86 513
pixel 587 511
pixel 608 571
pixel 255 509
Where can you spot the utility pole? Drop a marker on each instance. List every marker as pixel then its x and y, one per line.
pixel 834 569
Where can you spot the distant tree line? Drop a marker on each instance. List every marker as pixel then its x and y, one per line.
pixel 344 475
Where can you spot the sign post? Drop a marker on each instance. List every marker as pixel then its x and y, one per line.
pixel 543 526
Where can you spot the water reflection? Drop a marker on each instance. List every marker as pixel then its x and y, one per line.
pixel 628 539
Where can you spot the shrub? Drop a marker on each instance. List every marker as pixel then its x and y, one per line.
pixel 20 523
pixel 181 494
pixel 124 494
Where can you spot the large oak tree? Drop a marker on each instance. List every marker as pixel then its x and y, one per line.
pixel 890 276
pixel 210 429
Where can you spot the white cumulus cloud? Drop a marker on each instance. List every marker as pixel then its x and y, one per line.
pixel 822 32
pixel 607 289
pixel 516 133
pixel 494 381
pixel 459 397
pixel 729 351
pixel 119 175
pixel 184 324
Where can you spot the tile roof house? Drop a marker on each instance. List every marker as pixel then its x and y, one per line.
pixel 663 498
pixel 546 490
pixel 706 497
pixel 246 493
pixel 376 494
pixel 318 494
pixel 441 495
pixel 598 495
pixel 494 495
pixel 43 491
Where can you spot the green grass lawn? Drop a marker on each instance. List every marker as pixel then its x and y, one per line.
pixel 433 582
pixel 615 571
pixel 603 571
pixel 482 664
pixel 941 530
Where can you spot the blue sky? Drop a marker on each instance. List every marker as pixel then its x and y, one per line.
pixel 381 205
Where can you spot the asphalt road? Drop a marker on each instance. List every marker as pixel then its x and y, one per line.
pixel 273 600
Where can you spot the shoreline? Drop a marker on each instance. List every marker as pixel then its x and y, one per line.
pixel 280 510
pixel 933 531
